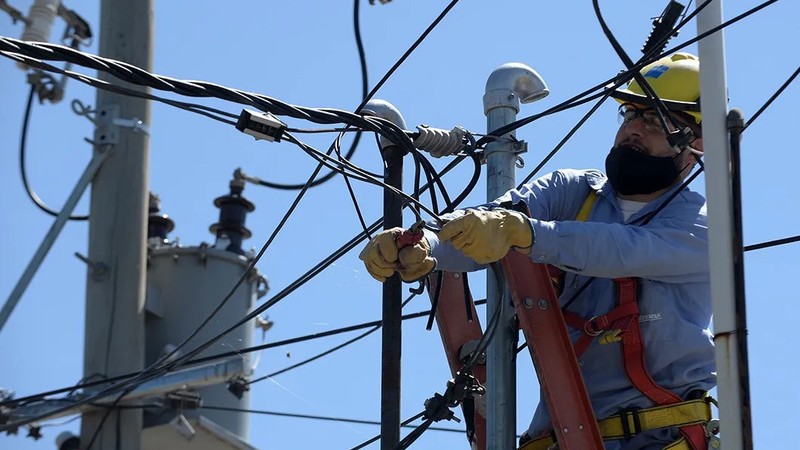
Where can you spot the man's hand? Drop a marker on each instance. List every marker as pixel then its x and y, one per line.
pixel 382 257
pixel 486 236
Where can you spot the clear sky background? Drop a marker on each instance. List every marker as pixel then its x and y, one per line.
pixel 304 53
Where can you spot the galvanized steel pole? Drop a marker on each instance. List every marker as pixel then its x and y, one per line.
pixel 506 87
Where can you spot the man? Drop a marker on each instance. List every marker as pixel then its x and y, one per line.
pixel 630 230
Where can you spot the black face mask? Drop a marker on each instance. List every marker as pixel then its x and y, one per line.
pixel 632 172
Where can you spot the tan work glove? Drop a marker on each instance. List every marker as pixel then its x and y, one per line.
pixel 382 257
pixel 486 236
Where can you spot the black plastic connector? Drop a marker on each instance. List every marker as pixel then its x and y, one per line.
pixel 260 125
pixel 663 26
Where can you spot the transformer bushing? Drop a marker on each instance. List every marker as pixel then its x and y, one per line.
pixel 233 209
pixel 158 225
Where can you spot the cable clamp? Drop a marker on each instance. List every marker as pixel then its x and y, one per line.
pixel 459 388
pixel 260 125
pixel 238 385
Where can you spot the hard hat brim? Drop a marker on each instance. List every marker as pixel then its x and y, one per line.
pixel 626 96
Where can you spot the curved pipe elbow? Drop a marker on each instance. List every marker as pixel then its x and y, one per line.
pixel 512 83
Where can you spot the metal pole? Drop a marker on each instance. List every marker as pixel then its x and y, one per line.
pixel 52 234
pixel 713 92
pixel 391 340
pixel 735 122
pixel 114 332
pixel 506 87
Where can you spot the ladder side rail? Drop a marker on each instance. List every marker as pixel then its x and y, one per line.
pixel 551 349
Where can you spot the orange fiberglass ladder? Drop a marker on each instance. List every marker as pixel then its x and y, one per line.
pixel 541 321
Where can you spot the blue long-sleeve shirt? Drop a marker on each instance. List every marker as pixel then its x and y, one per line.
pixel 669 254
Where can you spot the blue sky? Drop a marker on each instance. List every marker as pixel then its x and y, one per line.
pixel 304 53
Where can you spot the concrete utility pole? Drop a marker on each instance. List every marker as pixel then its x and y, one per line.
pixel 115 287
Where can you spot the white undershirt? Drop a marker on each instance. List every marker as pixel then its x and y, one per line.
pixel 629 207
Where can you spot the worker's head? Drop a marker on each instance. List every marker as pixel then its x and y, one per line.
pixel 643 164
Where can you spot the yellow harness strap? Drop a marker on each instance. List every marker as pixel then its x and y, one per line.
pixel 583 214
pixel 675 415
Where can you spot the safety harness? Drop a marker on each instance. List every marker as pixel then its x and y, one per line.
pixel 621 324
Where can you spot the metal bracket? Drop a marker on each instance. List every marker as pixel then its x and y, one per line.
pixel 98 269
pixel 108 124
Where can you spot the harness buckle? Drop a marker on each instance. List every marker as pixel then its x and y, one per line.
pixel 590 323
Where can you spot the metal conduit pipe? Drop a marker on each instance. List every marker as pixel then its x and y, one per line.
pixel 507 86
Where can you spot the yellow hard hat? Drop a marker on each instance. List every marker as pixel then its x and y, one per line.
pixel 676 81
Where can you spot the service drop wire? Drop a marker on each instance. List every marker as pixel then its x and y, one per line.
pixel 467 367
pixel 23 138
pixel 578 99
pixel 359 174
pixel 660 107
pixel 127 72
pixel 84 383
pixel 353 145
pixel 772 98
pixel 316 417
pixel 267 304
pixel 356 207
pixel 159 367
pixel 368 95
pixel 618 81
pixel 331 350
pixel 203 110
pixel 275 299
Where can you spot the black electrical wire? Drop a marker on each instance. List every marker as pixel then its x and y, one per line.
pixel 314 417
pixel 389 73
pixel 350 190
pixel 402 424
pixel 23 138
pixel 84 383
pixel 159 367
pixel 564 140
pixel 660 108
pixel 266 305
pixel 329 351
pixel 768 2
pixel 361 175
pixel 364 89
pixel 316 357
pixel 307 276
pixel 608 90
pixel 773 97
pixel 773 243
pixel 619 79
pixel 27 53
pixel 467 367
